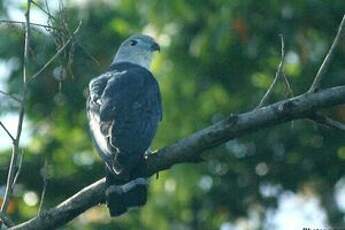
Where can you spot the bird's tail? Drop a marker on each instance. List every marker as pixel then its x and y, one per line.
pixel 122 194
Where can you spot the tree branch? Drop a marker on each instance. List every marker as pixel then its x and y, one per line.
pixel 189 149
pixel 327 121
pixel 44 174
pixel 31 23
pixel 7 131
pixel 11 96
pixel 322 70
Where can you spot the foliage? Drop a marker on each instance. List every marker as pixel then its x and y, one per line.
pixel 218 57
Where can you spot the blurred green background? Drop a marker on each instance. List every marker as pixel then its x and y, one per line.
pixel 217 57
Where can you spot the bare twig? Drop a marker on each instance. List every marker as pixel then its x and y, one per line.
pixel 276 78
pixel 26 42
pixel 47 6
pixel 18 168
pixel 327 121
pixel 11 172
pixel 316 83
pixel 7 131
pixel 31 23
pixel 11 96
pixel 44 173
pixel 287 86
pixel 56 54
pixel 43 10
pixel 13 169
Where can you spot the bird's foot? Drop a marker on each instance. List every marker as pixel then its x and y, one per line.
pixel 131 194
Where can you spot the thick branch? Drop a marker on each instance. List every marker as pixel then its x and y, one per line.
pixel 189 149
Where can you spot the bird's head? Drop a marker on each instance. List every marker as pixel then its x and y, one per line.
pixel 137 49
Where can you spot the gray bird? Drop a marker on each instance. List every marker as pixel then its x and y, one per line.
pixel 124 109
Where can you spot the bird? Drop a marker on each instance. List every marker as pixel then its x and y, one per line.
pixel 124 110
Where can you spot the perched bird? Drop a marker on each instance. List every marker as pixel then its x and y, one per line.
pixel 124 109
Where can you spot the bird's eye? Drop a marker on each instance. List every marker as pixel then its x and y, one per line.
pixel 133 42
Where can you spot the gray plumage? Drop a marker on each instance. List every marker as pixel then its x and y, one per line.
pixel 124 106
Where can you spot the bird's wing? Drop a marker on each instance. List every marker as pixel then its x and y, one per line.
pixel 96 88
pixel 129 91
pixel 128 112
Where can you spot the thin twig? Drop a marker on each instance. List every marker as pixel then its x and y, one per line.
pixel 8 132
pixel 56 54
pixel 322 70
pixel 327 121
pixel 6 219
pixel 47 6
pixel 11 96
pixel 278 74
pixel 43 10
pixel 31 23
pixel 44 173
pixel 287 86
pixel 48 11
pixel 8 190
pixel 13 169
pixel 18 168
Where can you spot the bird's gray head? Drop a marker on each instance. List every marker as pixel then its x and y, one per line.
pixel 137 49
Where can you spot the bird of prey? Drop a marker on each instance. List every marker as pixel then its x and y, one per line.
pixel 124 109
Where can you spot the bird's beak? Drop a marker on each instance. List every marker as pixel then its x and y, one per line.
pixel 155 47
